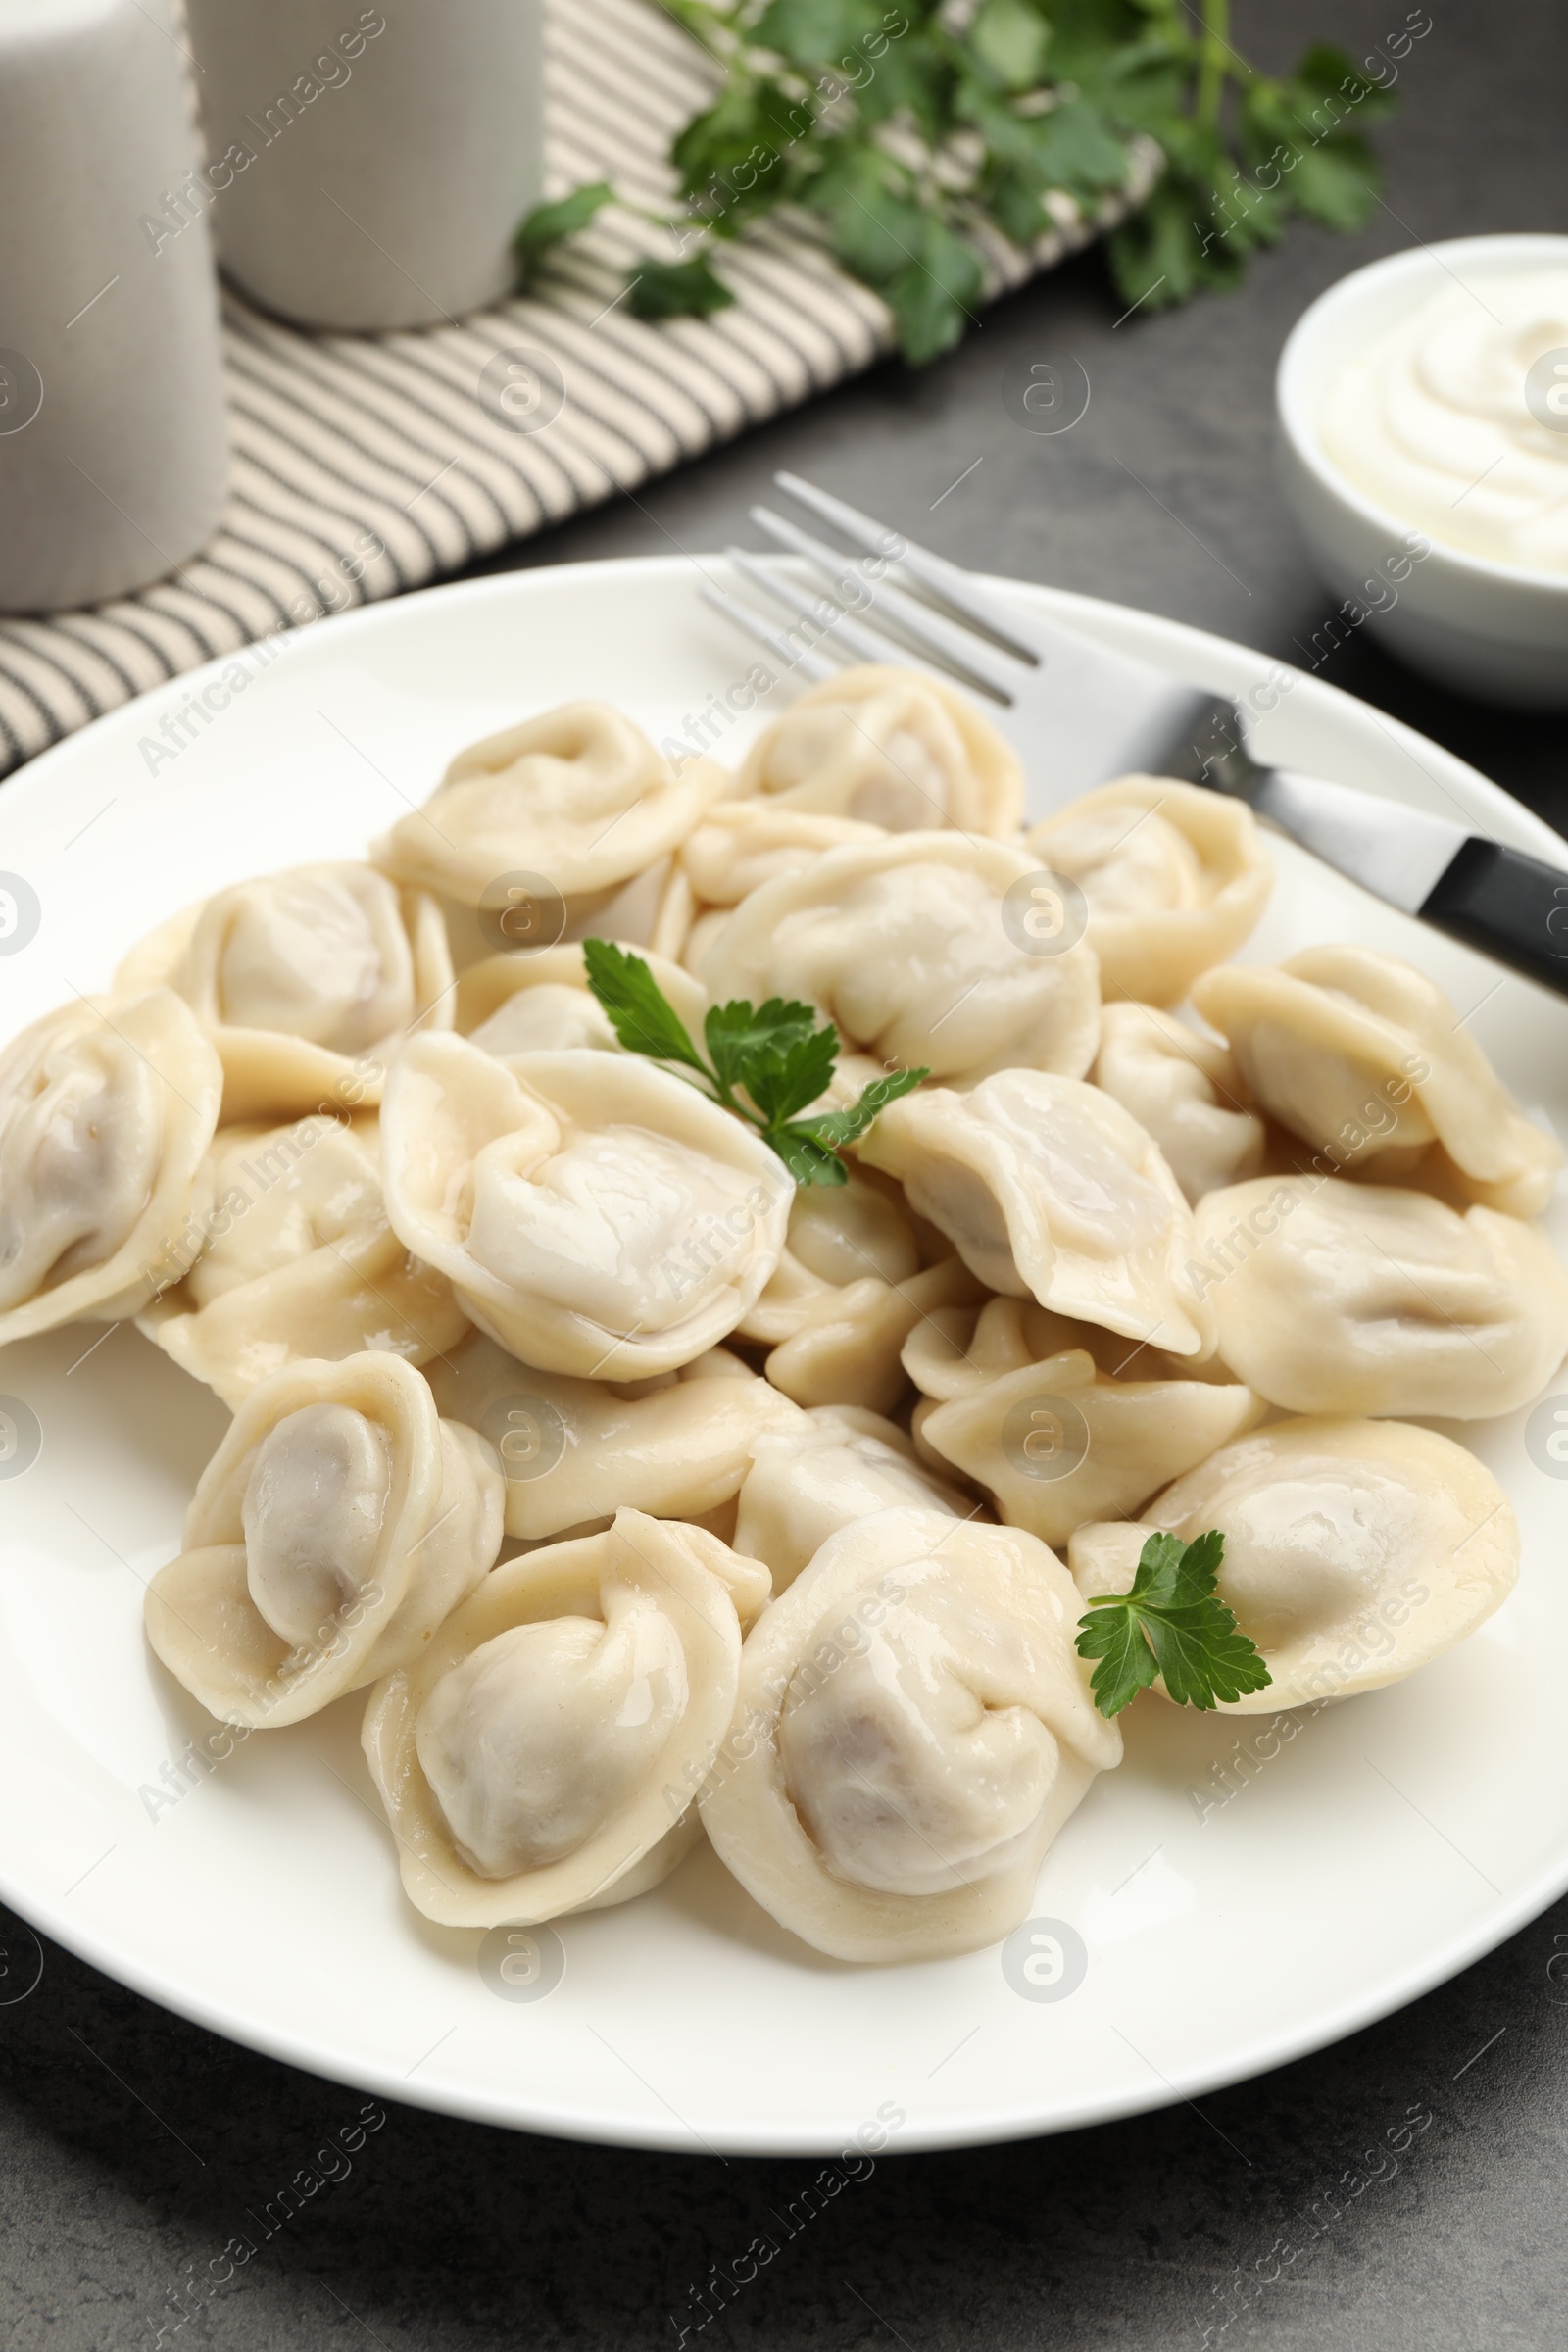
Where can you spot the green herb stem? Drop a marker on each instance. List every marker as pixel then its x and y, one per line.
pixel 1215 65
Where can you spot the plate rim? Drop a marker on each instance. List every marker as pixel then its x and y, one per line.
pixel 1062 601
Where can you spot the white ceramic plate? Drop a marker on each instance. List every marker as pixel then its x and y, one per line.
pixel 1393 1841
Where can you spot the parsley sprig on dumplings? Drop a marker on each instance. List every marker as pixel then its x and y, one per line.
pixel 1171 1624
pixel 766 1063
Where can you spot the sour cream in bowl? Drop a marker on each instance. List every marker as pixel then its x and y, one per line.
pixel 1423 407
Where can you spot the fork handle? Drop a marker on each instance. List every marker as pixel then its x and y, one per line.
pixel 1512 907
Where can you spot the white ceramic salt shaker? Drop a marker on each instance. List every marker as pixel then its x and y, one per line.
pixel 374 161
pixel 113 439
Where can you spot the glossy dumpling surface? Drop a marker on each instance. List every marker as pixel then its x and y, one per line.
pixel 539 1002
pixel 321 954
pixel 1338 1298
pixel 106 1114
pixel 574 1450
pixel 1186 1089
pixel 1056 1444
pixel 592 1213
pixel 735 848
pixel 1175 878
pixel 543 1753
pixel 1355 1551
pixel 820 1471
pixel 837 1235
pixel 956 1348
pixel 1046 1188
pixel 293 1257
pixel 1365 1060
pixel 846 1291
pixel 306 980
pixel 913 1729
pixel 910 947
pixel 578 797
pixel 338 1523
pixel 739 845
pixel 893 748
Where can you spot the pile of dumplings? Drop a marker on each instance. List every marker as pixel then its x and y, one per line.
pixel 650 1498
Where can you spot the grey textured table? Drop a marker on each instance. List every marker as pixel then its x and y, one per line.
pixel 131 2143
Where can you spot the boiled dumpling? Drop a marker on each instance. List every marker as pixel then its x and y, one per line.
pixel 846 1348
pixel 892 747
pixel 578 797
pixel 592 1213
pixel 822 1470
pixel 1364 1058
pixel 1354 1551
pixel 337 1524
pixel 105 1112
pixel 543 1753
pixel 1056 1444
pixel 838 1235
pixel 294 1258
pixel 1186 1089
pixel 307 982
pixel 1046 1187
pixel 909 947
pixel 956 1348
pixel 576 1451
pixel 542 1003
pixel 1175 878
pixel 737 847
pixel 1338 1298
pixel 914 1728
pixel 846 1293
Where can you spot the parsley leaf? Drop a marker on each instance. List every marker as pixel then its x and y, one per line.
pixel 736 1033
pixel 1337 184
pixel 934 293
pixel 640 1013
pixel 1076 150
pixel 793 1075
pixel 766 1062
pixel 678 290
pixel 548 223
pixel 1010 38
pixel 1172 1625
pixel 815 32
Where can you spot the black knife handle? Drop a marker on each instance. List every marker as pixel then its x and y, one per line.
pixel 1510 906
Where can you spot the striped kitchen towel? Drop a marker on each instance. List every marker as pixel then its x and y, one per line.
pixel 365 464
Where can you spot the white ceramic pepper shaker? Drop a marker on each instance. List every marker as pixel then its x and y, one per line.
pixel 374 165
pixel 112 437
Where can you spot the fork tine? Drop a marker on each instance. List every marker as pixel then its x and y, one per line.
pixel 788 657
pixel 983 663
pixel 853 636
pixel 956 586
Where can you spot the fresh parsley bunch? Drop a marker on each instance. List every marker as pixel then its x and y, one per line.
pixel 1171 1624
pixel 766 1063
pixel 903 130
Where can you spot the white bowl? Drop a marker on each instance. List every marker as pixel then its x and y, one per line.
pixel 1492 629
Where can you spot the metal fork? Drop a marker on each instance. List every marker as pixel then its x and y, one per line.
pixel 1081 714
